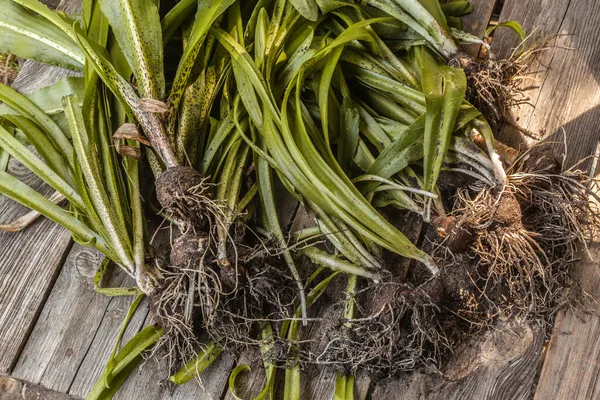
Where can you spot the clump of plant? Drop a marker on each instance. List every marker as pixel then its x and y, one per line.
pixel 350 108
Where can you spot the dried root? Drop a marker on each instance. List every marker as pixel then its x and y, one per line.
pixel 187 197
pixel 495 86
pixel 199 301
pixel 514 249
pixel 401 332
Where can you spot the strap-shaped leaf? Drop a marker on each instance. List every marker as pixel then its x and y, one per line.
pixel 86 150
pixel 175 17
pixel 49 98
pixel 150 122
pixel 307 8
pixel 124 363
pixel 344 387
pixel 136 24
pixel 196 365
pixel 43 146
pixel 25 195
pixel 32 36
pixel 416 16
pixel 444 88
pixel 207 14
pixel 9 143
pixel 27 108
pixel 304 167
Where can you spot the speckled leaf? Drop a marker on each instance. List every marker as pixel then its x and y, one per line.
pixel 207 14
pixel 136 24
pixel 307 8
pixel 32 36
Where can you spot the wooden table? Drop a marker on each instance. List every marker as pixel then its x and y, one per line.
pixel 56 333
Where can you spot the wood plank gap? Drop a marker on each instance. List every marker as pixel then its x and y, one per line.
pixel 108 350
pixel 17 389
pixel 43 299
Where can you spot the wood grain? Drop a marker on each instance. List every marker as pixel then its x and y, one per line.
pixel 499 366
pixel 67 324
pixel 477 22
pixel 104 339
pixel 564 103
pixel 14 389
pixel 29 260
pixel 571 367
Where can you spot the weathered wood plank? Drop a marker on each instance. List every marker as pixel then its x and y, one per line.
pixel 564 105
pixel 28 275
pixel 499 366
pixel 13 389
pixel 104 340
pixel 29 263
pixel 571 369
pixel 565 108
pixel 67 324
pixel 477 22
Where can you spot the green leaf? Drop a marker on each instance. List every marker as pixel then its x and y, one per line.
pixel 32 36
pixel 266 348
pixel 110 366
pixel 233 376
pixel 344 387
pixel 150 122
pixel 336 263
pixel 115 291
pixel 137 28
pixel 49 98
pixel 124 363
pixel 43 146
pixel 307 8
pixel 86 150
pixel 444 88
pixel 19 151
pixel 512 25
pixel 419 17
pixel 30 110
pixel 290 329
pixel 25 195
pixel 196 365
pixel 457 8
pixel 175 18
pixel 208 12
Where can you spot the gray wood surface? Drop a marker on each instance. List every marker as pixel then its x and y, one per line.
pixel 104 339
pixel 566 109
pixel 29 260
pixel 571 368
pixel 477 22
pixel 67 325
pixel 499 366
pixel 76 330
pixel 12 389
pixel 565 103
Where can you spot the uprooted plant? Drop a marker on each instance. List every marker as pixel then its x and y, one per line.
pixel 354 110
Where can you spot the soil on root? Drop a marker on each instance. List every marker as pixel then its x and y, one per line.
pixel 496 86
pixel 502 254
pixel 199 302
pixel 187 196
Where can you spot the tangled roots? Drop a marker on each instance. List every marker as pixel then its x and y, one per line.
pixel 495 86
pixel 520 246
pixel 199 301
pixel 187 196
pixel 401 332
